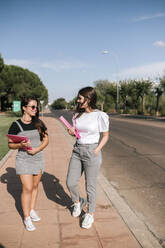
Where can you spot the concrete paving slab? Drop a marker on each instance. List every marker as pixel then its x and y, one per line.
pixel 44 236
pixel 81 243
pixel 11 234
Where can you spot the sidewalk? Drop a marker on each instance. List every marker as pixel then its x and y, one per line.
pixel 57 229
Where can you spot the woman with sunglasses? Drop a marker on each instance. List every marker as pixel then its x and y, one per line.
pixel 86 155
pixel 29 163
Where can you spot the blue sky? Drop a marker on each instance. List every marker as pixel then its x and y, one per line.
pixel 63 40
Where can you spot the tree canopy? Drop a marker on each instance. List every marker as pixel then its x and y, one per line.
pixel 135 96
pixel 17 82
pixel 59 103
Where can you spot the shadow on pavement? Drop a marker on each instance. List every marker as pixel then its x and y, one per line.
pixel 1 246
pixel 55 191
pixel 14 187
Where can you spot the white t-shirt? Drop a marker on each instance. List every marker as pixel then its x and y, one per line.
pixel 90 125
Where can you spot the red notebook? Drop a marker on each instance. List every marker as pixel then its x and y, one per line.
pixel 17 139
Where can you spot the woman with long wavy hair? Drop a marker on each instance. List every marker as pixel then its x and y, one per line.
pixel 86 155
pixel 29 162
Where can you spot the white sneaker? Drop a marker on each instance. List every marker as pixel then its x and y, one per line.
pixel 28 224
pixel 87 221
pixel 78 207
pixel 34 216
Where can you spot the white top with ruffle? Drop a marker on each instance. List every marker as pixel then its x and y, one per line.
pixel 90 125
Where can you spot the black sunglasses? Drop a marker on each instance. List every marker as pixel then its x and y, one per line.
pixel 32 107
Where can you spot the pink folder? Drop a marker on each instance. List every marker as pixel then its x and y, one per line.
pixel 17 139
pixel 67 124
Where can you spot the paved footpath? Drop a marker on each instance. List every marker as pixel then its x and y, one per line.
pixel 57 228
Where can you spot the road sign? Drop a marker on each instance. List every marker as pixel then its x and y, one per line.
pixel 16 106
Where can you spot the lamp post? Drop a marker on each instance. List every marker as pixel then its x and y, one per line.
pixel 117 71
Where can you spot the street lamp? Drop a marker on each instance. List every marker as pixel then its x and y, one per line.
pixel 117 71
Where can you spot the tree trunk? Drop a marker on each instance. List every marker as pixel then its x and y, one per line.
pixel 157 105
pixel 102 106
pixel 143 104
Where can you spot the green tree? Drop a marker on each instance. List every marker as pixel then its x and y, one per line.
pixel 72 103
pixel 100 87
pixel 110 97
pixel 18 82
pixel 158 90
pixel 124 94
pixel 2 86
pixel 162 83
pixel 59 103
pixel 1 63
pixel 104 87
pixel 133 98
pixel 142 88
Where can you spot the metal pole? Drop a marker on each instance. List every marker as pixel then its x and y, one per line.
pixel 117 72
pixel 117 81
pixel 117 98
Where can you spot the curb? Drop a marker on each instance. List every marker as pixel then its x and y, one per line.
pixel 141 117
pixel 136 226
pixel 3 160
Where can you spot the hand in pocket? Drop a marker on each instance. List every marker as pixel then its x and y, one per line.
pixel 96 152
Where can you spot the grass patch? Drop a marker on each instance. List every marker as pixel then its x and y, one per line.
pixel 5 122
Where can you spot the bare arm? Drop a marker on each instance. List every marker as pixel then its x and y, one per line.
pixel 43 144
pixel 15 146
pixel 103 141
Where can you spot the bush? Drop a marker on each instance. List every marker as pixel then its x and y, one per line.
pixel 162 112
pixel 60 103
pixel 152 112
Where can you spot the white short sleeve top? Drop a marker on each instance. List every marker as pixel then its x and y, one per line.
pixel 90 125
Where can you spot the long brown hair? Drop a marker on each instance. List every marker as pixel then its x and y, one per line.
pixel 39 124
pixel 90 94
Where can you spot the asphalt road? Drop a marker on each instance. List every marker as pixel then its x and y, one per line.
pixel 134 163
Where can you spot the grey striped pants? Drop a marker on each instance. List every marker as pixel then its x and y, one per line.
pixel 83 159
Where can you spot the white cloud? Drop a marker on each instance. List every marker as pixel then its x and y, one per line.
pixel 145 71
pixel 64 65
pixel 159 43
pixel 148 17
pixel 57 66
